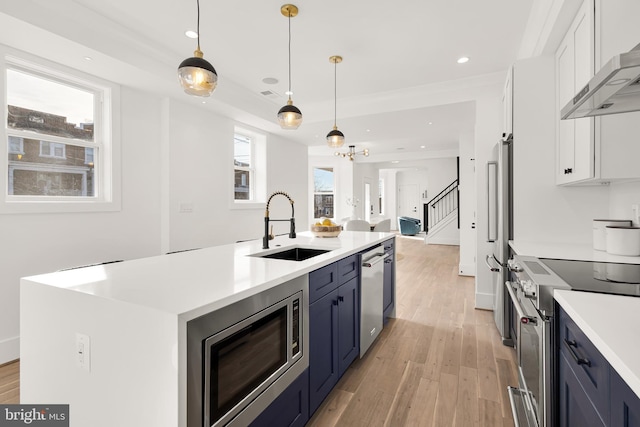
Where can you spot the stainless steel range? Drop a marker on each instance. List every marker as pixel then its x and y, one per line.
pixel 531 293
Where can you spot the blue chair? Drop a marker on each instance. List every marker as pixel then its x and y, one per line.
pixel 408 226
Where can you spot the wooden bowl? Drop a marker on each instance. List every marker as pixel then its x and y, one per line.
pixel 326 230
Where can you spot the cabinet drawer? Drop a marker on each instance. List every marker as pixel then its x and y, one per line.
pixel 322 281
pixel 588 364
pixel 348 268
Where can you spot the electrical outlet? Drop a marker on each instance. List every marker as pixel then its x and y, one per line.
pixel 83 351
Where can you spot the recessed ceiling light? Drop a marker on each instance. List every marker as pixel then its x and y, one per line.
pixel 368 130
pixel 270 80
pixel 423 146
pixel 430 123
pixel 88 58
pixel 204 102
pixel 191 34
pixel 462 60
pixel 395 161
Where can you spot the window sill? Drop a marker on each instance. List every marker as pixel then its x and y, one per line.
pixel 43 207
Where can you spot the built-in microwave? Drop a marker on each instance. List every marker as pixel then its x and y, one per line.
pixel 239 358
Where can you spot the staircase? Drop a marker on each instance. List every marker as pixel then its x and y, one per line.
pixel 441 212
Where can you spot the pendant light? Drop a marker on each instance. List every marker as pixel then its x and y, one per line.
pixel 335 138
pixel 289 116
pixel 197 76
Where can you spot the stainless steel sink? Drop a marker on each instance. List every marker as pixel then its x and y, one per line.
pixel 293 254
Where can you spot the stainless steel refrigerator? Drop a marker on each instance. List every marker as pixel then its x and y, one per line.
pixel 500 229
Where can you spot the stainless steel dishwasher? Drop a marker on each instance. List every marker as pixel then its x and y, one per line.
pixel 371 306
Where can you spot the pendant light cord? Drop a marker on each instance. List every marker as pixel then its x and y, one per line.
pixel 335 92
pixel 198 23
pixel 289 53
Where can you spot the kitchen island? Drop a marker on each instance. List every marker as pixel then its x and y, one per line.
pixel 110 340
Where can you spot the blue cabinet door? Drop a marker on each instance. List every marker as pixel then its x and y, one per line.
pixel 291 407
pixel 625 404
pixel 349 324
pixel 323 348
pixel 574 407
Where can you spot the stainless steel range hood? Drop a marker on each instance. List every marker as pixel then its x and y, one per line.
pixel 614 89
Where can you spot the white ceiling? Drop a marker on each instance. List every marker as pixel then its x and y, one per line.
pixel 388 48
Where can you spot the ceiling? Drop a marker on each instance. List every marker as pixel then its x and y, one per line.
pixel 388 49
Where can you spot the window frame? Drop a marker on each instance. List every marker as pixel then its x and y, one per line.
pixel 106 141
pixel 315 193
pixel 251 169
pixel 259 165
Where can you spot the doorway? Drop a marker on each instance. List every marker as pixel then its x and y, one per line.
pixel 408 200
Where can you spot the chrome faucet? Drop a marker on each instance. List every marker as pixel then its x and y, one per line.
pixel 292 230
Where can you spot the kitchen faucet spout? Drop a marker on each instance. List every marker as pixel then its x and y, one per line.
pixel 292 228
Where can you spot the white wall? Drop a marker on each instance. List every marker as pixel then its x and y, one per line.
pixel 467 203
pixel 365 172
pixel 40 243
pixel 343 175
pixel 390 203
pixel 201 170
pixel 622 196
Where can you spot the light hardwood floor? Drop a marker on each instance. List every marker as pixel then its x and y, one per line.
pixel 439 363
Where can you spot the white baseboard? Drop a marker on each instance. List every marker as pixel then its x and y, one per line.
pixel 484 301
pixel 9 350
pixel 442 241
pixel 467 270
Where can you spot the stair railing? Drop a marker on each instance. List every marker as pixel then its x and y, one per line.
pixel 439 207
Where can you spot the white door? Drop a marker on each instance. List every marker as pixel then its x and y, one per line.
pixel 409 201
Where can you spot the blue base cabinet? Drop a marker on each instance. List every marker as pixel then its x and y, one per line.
pixel 334 325
pixel 348 322
pixel 590 391
pixel 323 348
pixel 290 409
pixel 625 404
pixel 575 407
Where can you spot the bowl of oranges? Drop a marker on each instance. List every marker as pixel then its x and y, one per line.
pixel 326 228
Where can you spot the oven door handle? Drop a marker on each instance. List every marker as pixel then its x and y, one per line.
pixel 516 303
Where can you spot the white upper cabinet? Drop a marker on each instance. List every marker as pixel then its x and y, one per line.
pixel 601 149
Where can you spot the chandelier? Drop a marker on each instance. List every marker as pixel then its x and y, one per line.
pixel 352 152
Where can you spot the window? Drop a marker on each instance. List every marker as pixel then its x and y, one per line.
pixel 52 149
pixel 323 192
pixel 61 145
pixel 243 167
pixel 381 196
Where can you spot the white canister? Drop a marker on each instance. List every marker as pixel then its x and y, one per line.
pixel 623 240
pixel 599 228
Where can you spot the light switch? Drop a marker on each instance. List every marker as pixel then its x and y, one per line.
pixel 186 207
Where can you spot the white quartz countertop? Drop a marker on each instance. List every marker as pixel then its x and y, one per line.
pixel 610 322
pixel 193 283
pixel 581 252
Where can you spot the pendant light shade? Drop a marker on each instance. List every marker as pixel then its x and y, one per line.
pixel 289 116
pixel 196 75
pixel 335 138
